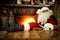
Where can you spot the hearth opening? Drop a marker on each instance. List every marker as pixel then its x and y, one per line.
pixel 22 19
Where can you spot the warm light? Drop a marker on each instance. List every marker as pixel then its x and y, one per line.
pixel 25 19
pixel 29 20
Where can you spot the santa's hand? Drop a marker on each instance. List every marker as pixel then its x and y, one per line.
pixel 41 26
pixel 48 26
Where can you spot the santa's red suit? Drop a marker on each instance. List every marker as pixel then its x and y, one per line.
pixel 42 18
pixel 33 24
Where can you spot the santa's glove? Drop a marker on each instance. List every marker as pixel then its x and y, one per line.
pixel 48 26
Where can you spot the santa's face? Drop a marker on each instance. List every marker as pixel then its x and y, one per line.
pixel 45 11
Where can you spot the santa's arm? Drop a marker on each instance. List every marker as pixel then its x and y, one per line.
pixel 51 20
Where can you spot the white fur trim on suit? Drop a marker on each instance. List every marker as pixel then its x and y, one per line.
pixel 26 27
pixel 48 26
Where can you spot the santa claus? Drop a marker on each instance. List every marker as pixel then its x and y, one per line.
pixel 44 19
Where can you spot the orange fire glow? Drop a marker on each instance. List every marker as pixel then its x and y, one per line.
pixel 25 19
pixel 28 20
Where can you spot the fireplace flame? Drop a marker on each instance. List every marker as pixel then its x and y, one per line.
pixel 32 20
pixel 29 20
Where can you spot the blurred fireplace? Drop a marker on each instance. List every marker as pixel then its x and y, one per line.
pixel 21 19
pixel 24 15
pixel 18 16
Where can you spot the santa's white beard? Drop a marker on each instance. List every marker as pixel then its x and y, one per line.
pixel 43 17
